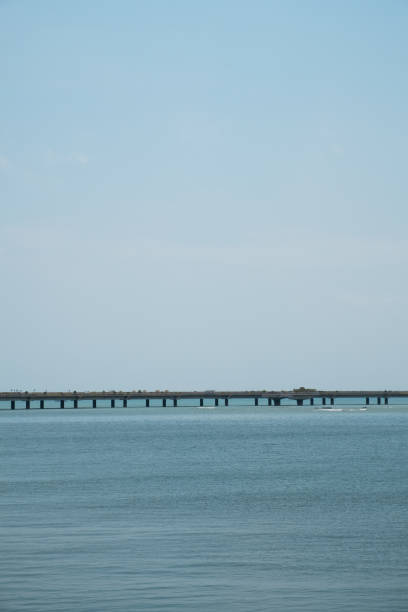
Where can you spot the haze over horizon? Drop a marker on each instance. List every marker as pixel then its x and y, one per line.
pixel 207 196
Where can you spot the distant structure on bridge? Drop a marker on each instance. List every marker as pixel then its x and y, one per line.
pixel 86 399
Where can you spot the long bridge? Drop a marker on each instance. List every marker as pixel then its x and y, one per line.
pixel 87 399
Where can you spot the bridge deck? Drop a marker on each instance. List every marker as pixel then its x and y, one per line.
pixel 83 395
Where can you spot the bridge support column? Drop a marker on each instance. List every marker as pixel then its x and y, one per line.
pixel 312 401
pixel 42 404
pixel 378 400
pixel 28 405
pixel 269 401
pixel 75 403
pixel 332 401
pixel 125 402
pixel 12 405
pixel 299 402
pixel 216 401
pixel 112 403
pixel 386 400
pixel 201 402
pixel 367 401
pixel 256 401
pixel 276 401
pixel 226 401
pixel 175 402
pixel 164 403
pixel 62 403
pixel 323 401
pixel 94 403
pixel 147 402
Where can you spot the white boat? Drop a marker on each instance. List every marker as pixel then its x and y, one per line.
pixel 330 408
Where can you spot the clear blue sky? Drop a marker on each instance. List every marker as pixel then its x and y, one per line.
pixel 203 194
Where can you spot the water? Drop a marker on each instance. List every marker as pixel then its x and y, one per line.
pixel 232 509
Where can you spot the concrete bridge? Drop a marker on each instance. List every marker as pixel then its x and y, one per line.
pixel 78 399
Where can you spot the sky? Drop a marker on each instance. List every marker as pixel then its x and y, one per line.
pixel 203 195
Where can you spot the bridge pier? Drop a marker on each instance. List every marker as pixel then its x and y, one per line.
pixel 302 397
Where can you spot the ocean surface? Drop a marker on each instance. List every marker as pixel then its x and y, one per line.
pixel 226 509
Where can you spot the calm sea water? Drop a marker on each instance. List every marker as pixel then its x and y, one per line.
pixel 231 509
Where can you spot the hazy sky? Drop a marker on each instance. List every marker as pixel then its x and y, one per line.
pixel 203 194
